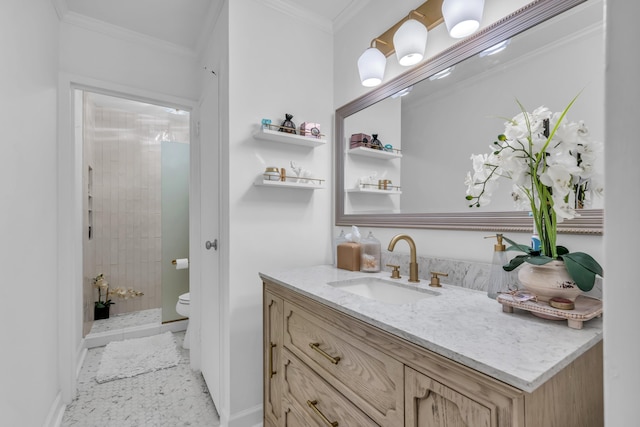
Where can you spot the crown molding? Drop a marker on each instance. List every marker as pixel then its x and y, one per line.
pixel 288 7
pixel 91 24
pixel 350 12
pixel 213 14
pixel 61 8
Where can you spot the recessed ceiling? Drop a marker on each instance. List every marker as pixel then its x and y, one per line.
pixel 185 23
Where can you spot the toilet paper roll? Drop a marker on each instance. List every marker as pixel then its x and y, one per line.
pixel 182 263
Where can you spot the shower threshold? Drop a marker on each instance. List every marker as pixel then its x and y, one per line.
pixel 137 324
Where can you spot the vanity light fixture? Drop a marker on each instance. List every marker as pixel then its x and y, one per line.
pixel 462 17
pixel 402 92
pixel 442 74
pixel 408 37
pixel 410 41
pixel 499 47
pixel 371 65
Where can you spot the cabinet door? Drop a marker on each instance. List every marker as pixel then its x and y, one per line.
pixel 272 324
pixel 430 403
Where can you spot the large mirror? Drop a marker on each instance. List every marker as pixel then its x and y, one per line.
pixel 455 106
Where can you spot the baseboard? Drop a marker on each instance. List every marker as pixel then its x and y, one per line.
pixel 251 417
pixel 56 412
pixel 81 353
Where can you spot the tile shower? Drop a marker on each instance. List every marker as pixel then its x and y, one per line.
pixel 122 179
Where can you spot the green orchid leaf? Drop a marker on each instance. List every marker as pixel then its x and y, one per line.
pixel 539 260
pixel 583 277
pixel 515 263
pixel 511 242
pixel 586 261
pixel 521 248
pixel 562 250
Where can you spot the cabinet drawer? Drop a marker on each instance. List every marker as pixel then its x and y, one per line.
pixel 369 378
pixel 313 402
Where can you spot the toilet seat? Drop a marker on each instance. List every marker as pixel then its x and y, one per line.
pixel 184 298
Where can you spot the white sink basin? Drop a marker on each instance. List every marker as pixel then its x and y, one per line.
pixel 382 290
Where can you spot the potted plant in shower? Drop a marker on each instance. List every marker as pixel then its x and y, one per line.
pixel 101 307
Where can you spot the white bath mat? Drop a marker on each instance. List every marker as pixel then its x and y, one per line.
pixel 126 359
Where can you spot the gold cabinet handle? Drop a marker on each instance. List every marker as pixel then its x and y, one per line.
pixel 312 404
pixel 316 347
pixel 271 371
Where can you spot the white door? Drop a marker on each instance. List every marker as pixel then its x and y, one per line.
pixel 210 338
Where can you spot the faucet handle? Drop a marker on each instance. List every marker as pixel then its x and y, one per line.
pixel 435 279
pixel 395 274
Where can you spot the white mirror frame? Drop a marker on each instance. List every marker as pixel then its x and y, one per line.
pixel 590 220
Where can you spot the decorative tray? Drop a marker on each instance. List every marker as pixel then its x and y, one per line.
pixel 586 308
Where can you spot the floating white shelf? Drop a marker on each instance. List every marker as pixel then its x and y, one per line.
pixel 372 191
pixel 289 138
pixel 286 184
pixel 370 152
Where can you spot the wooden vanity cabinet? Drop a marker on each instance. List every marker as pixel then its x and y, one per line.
pixel 332 368
pixel 272 325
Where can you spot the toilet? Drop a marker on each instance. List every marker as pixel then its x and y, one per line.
pixel 182 308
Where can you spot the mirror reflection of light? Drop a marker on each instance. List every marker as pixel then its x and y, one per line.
pixel 442 74
pixel 402 92
pixel 495 48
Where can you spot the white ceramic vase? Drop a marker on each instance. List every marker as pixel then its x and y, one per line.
pixel 548 281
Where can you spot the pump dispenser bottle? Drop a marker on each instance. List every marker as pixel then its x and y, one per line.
pixel 499 279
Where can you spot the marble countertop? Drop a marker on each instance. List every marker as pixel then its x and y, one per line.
pixel 461 324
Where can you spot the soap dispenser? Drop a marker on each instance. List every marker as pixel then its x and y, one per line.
pixel 370 255
pixel 499 279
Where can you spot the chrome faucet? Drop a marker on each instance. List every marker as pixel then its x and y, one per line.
pixel 413 265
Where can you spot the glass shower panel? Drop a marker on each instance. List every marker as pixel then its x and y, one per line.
pixel 175 224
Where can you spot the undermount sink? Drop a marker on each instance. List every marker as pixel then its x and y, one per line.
pixel 382 290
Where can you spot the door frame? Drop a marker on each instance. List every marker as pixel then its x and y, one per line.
pixel 69 216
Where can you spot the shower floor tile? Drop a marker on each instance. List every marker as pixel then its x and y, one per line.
pixel 170 397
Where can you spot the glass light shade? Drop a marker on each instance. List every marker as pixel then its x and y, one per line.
pixel 371 65
pixel 409 41
pixel 462 17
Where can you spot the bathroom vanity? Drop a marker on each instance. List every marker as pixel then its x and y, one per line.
pixel 442 356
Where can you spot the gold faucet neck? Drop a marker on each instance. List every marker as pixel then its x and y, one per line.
pixel 412 244
pixel 413 265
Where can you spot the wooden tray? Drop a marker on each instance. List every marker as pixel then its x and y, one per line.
pixel 586 308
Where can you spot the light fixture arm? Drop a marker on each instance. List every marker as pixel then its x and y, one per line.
pixel 429 13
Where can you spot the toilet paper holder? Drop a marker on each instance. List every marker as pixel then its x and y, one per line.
pixel 181 264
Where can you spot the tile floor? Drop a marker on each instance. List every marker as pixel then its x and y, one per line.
pixel 171 397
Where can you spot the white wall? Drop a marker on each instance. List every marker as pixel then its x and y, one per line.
pixel 277 65
pixel 134 63
pixel 621 290
pixel 28 83
pixel 349 43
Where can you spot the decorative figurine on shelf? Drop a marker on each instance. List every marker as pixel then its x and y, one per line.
pixel 266 123
pixel 287 125
pixel 375 142
pixel 302 174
